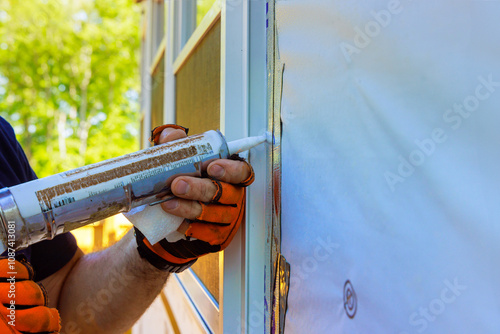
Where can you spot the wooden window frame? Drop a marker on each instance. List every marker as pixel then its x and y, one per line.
pixel 244 292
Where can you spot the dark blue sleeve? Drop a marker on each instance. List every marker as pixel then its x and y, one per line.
pixel 14 166
pixel 48 256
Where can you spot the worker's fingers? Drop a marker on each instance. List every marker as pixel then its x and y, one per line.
pixel 193 210
pixel 182 208
pixel 218 214
pixel 171 134
pixel 230 171
pixel 38 319
pixel 194 188
pixel 27 293
pixel 206 190
pixel 20 270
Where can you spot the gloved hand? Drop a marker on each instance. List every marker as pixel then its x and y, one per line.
pixel 29 313
pixel 213 205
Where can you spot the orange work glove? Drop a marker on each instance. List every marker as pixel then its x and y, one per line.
pixel 210 232
pixel 24 303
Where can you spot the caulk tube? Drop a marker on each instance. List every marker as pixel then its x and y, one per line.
pixel 43 208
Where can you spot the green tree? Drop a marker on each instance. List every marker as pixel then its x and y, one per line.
pixel 69 79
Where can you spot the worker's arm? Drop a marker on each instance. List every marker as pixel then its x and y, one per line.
pixel 107 291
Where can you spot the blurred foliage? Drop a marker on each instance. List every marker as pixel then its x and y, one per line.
pixel 69 79
pixel 202 8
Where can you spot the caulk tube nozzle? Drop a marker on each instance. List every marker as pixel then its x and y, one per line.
pixel 241 145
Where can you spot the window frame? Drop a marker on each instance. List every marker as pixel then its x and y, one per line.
pixel 244 265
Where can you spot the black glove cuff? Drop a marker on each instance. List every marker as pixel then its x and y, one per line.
pixel 154 259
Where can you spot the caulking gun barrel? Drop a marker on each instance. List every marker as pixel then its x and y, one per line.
pixel 43 208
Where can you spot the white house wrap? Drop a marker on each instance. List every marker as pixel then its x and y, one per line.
pixel 390 160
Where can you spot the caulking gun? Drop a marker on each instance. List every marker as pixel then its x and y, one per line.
pixel 43 208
